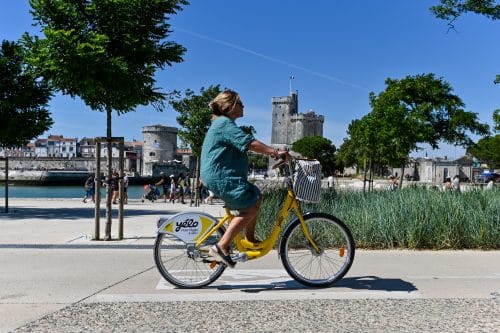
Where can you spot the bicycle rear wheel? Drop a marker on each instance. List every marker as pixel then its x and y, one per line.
pixel 185 266
pixel 312 268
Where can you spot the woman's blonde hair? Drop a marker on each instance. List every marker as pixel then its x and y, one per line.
pixel 224 102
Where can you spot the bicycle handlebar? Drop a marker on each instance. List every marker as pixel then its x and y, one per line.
pixel 282 160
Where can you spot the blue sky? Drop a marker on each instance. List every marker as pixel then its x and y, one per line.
pixel 338 52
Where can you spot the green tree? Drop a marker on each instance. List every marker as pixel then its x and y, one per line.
pixel 487 149
pixel 422 109
pixel 450 10
pixel 194 119
pixel 496 120
pixel 248 129
pixel 317 147
pixel 362 147
pixel 194 115
pixel 24 98
pixel 257 161
pixel 106 52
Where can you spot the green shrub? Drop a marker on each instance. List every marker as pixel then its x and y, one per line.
pixel 415 218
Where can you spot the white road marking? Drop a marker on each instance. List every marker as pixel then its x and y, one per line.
pixel 231 295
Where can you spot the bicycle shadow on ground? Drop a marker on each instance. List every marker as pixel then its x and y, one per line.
pixel 367 283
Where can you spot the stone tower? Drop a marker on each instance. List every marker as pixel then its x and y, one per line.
pixel 288 125
pixel 160 144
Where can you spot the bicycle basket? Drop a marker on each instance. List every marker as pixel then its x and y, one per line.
pixel 307 180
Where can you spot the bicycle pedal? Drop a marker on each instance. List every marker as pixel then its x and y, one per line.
pixel 239 257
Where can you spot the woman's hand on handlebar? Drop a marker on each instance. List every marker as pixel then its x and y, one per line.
pixel 283 155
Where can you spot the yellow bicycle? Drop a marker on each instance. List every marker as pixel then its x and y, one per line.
pixel 316 249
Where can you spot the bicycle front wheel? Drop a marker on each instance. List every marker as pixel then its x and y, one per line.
pixel 317 268
pixel 184 265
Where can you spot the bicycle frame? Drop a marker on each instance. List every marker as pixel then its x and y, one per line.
pixel 257 250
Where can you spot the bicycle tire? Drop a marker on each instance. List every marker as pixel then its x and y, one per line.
pixel 336 255
pixel 185 266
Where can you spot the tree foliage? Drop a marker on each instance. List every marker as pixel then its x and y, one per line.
pixel 24 98
pixel 450 10
pixel 410 111
pixel 487 150
pixel 317 147
pixel 423 109
pixel 106 51
pixel 194 116
pixel 257 161
pixel 496 120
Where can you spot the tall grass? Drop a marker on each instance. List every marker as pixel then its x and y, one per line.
pixel 415 218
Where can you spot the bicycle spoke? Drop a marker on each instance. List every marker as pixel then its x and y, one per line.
pixel 305 264
pixel 182 265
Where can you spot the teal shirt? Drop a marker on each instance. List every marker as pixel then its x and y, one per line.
pixel 224 163
pixel 224 151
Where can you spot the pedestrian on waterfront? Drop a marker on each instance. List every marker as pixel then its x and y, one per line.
pixel 456 183
pixel 113 183
pixel 187 184
pixel 173 189
pixel 165 183
pixel 210 199
pixel 201 190
pixel 393 183
pixel 447 186
pixel 89 189
pixel 180 187
pixel 330 182
pixel 224 169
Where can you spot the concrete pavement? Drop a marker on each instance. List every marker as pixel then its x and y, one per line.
pixel 53 275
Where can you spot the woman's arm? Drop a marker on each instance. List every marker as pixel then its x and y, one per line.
pixel 262 148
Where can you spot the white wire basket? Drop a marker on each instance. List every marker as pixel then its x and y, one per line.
pixel 307 180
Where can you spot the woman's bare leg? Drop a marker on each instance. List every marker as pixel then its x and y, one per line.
pixel 250 227
pixel 237 224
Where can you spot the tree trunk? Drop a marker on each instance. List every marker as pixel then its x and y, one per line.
pixel 197 182
pixel 6 183
pixel 403 163
pixel 364 176
pixel 370 177
pixel 109 191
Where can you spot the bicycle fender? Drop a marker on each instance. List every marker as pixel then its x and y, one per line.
pixel 187 226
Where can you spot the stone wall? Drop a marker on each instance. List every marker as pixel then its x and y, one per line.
pixel 48 163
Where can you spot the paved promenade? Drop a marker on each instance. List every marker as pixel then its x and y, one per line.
pixel 54 278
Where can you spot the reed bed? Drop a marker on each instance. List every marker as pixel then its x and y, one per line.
pixel 413 218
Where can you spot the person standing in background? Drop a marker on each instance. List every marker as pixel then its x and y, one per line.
pixel 173 189
pixel 456 183
pixel 89 189
pixel 330 182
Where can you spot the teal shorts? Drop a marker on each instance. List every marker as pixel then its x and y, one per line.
pixel 236 193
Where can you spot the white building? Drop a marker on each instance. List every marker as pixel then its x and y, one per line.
pixel 56 146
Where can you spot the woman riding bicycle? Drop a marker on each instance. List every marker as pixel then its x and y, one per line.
pixel 224 169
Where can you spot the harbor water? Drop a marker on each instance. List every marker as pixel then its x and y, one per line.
pixel 49 192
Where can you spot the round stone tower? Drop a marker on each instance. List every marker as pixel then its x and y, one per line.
pixel 160 143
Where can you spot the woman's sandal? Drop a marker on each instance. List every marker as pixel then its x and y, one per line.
pixel 226 259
